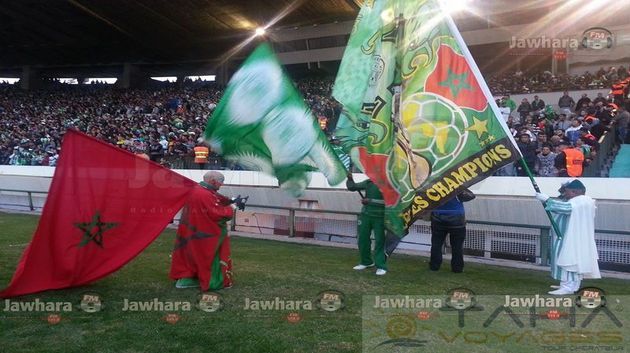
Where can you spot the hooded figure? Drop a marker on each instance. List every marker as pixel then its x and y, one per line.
pixel 574 252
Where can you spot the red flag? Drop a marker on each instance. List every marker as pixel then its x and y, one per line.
pixel 202 247
pixel 104 207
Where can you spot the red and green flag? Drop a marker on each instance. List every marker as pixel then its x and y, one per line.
pixel 104 207
pixel 417 118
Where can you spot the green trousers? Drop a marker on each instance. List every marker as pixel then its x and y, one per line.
pixel 367 225
pixel 216 281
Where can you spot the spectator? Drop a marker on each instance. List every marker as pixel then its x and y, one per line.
pixel 598 129
pixel 588 139
pixel 562 123
pixel 509 103
pixel 507 170
pixel 156 151
pixel 570 161
pixel 538 105
pixel 505 111
pixel 546 162
pixel 524 108
pixel 528 150
pixel 582 103
pixel 541 141
pixel 573 132
pixel 584 148
pixel 605 113
pixel 600 99
pixel 545 127
pixel 201 155
pixel 180 148
pixel 566 103
pixel 511 82
pixel 131 119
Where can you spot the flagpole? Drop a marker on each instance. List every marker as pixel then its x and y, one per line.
pixel 537 189
pixel 493 105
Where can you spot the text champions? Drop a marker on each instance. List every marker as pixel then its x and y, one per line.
pixel 465 173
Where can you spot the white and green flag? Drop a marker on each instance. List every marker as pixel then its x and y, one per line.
pixel 262 123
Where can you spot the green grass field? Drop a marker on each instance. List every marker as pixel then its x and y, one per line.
pixel 263 270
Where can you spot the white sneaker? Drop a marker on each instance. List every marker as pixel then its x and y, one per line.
pixel 381 272
pixel 561 291
pixel 554 286
pixel 362 267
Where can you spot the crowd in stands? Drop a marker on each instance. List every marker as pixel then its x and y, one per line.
pixel 519 82
pixel 318 96
pixel 561 143
pixel 159 122
pixel 163 122
pixel 166 121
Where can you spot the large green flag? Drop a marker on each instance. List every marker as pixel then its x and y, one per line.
pixel 263 124
pixel 418 118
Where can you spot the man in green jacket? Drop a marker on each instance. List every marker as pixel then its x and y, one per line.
pixel 370 219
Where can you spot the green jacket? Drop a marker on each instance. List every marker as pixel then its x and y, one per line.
pixel 375 204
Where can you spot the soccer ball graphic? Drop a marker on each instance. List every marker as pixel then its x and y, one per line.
pixel 436 128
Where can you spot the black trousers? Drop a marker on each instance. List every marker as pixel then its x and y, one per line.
pixel 457 237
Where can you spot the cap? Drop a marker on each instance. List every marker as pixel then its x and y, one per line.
pixel 563 187
pixel 574 185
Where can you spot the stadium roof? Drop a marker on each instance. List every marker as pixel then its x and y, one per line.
pixel 61 32
pixel 98 32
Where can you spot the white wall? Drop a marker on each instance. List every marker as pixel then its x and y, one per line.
pixel 552 97
pixel 38 179
pixel 499 199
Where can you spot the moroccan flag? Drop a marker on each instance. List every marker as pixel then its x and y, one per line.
pixel 263 124
pixel 417 116
pixel 104 207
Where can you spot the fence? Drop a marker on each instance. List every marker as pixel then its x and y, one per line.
pixel 518 242
pixel 188 162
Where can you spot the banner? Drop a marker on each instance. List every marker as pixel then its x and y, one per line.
pixel 418 118
pixel 104 207
pixel 263 124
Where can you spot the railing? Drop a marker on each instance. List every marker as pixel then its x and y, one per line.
pixel 31 205
pixel 521 242
pixel 188 162
pixel 606 144
pixel 512 241
pixel 214 163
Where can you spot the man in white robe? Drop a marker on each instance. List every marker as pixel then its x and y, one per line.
pixel 574 252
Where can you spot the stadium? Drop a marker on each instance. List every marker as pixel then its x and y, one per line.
pixel 348 139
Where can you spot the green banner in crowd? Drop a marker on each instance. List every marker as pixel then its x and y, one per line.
pixel 262 123
pixel 418 118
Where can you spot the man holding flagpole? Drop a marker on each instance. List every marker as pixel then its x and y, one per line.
pixel 370 220
pixel 417 117
pixel 201 257
pixel 574 252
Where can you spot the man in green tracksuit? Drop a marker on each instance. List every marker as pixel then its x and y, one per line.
pixel 370 219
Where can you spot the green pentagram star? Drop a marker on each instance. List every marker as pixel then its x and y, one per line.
pixel 93 230
pixel 456 82
pixel 181 241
